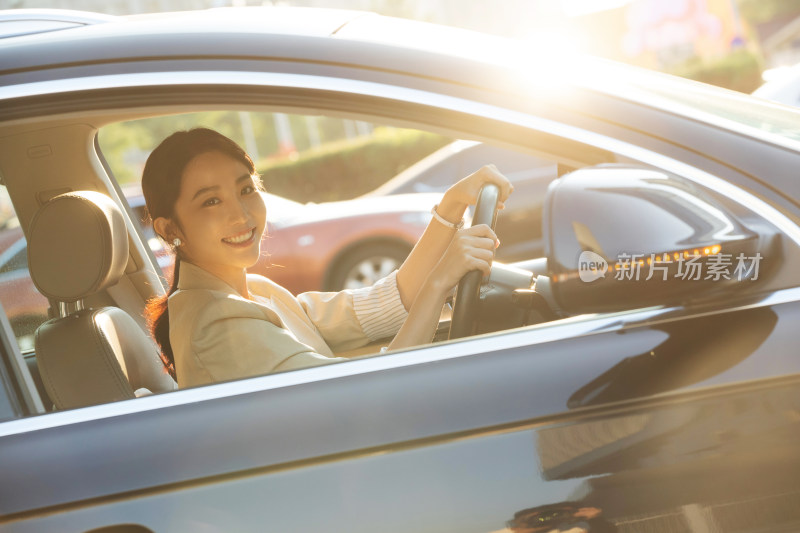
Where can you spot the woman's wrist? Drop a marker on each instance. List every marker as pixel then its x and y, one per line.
pixel 451 211
pixel 452 225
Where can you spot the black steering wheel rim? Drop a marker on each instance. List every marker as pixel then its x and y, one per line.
pixel 467 296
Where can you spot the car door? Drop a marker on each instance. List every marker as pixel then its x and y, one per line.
pixel 538 428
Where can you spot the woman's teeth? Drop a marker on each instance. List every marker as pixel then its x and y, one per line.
pixel 241 238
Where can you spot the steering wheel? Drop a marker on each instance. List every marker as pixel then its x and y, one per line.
pixel 467 297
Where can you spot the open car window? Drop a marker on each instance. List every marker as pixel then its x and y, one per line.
pixel 331 183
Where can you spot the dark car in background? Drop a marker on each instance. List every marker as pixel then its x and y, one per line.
pixel 641 375
pixel 519 225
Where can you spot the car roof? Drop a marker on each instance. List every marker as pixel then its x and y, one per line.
pixel 218 39
pixel 182 34
pixel 261 33
pixel 246 32
pixel 285 20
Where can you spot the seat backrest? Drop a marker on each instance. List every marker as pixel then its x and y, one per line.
pixel 78 246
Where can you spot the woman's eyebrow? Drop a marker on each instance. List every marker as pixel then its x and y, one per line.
pixel 240 179
pixel 204 190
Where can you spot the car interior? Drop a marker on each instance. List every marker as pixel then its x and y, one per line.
pixel 89 256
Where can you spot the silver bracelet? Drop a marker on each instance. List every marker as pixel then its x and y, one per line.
pixel 447 223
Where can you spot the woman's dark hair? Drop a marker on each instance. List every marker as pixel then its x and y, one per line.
pixel 161 185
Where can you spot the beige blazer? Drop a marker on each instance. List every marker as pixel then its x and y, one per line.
pixel 217 335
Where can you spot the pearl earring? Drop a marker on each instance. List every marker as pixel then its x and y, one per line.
pixel 176 242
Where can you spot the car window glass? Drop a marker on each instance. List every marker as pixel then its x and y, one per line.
pixel 18 261
pixel 25 307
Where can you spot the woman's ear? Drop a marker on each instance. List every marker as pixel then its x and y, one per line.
pixel 165 228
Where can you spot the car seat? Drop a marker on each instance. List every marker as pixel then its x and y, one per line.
pixel 78 247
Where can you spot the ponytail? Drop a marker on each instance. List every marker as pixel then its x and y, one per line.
pixel 157 314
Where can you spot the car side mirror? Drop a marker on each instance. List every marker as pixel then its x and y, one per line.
pixel 619 237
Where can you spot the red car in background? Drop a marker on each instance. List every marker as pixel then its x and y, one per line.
pixel 340 245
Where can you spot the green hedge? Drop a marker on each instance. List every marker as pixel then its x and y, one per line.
pixel 739 71
pixel 348 168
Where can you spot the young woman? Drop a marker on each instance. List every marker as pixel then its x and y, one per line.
pixel 220 323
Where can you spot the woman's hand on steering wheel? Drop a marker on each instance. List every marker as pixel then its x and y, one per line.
pixel 465 192
pixel 471 249
pixel 494 189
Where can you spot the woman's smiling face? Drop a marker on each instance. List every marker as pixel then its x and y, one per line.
pixel 220 214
